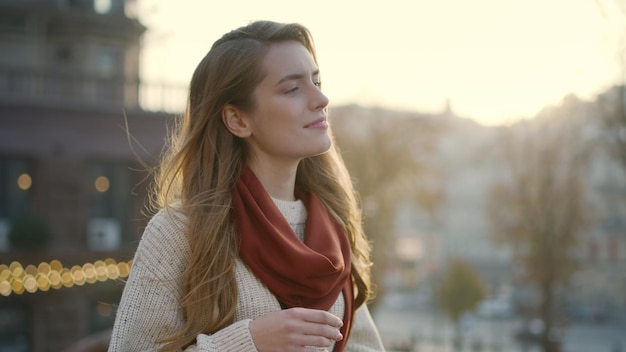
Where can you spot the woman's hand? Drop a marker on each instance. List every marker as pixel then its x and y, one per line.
pixel 295 329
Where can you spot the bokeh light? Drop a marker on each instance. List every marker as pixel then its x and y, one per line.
pixel 14 278
pixel 78 274
pixel 24 182
pixel 102 184
pixel 104 309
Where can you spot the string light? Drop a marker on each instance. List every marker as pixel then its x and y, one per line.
pixel 14 278
pixel 78 274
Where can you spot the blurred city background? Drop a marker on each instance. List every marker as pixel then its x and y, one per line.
pixel 487 236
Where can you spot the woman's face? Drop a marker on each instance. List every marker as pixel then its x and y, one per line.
pixel 289 121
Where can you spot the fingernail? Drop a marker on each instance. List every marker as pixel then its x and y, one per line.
pixel 339 336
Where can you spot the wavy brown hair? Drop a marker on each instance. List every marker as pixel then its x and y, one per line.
pixel 202 165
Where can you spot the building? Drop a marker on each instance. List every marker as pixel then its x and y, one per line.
pixel 75 146
pixel 599 287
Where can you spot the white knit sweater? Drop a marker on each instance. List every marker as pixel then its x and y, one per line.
pixel 149 308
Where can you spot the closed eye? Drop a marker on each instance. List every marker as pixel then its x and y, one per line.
pixel 300 77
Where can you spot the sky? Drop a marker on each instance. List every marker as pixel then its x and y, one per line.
pixel 495 61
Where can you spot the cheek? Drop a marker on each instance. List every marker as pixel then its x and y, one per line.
pixel 285 106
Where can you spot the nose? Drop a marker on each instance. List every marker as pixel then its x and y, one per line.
pixel 319 101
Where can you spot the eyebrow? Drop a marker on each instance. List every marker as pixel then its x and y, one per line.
pixel 297 76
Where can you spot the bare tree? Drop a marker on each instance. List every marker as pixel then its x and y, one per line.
pixel 386 155
pixel 538 207
pixel 612 104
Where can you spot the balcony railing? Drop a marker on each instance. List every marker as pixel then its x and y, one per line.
pixel 71 89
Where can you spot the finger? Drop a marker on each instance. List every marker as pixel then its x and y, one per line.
pixel 322 330
pixel 313 341
pixel 318 316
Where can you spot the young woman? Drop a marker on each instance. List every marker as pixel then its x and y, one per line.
pixel 258 243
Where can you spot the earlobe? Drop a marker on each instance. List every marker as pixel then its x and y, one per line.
pixel 236 121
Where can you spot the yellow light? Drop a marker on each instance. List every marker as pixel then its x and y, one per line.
pixel 102 184
pixel 104 309
pixel 5 288
pixel 14 265
pixel 67 278
pixel 90 273
pixel 113 272
pixel 18 271
pixel 17 286
pixel 31 270
pixel 24 182
pixel 43 282
pixel 101 273
pixel 101 269
pixel 55 279
pixel 78 274
pixel 123 268
pixel 44 268
pixel 30 284
pixel 56 265
pixel 16 279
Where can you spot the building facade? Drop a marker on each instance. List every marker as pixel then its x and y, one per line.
pixel 75 151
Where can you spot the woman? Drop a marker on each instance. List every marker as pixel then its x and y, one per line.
pixel 258 244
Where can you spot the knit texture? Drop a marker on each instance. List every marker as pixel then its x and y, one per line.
pixel 149 308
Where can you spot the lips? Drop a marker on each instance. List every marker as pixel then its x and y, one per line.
pixel 319 123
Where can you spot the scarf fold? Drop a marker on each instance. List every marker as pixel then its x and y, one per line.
pixel 309 273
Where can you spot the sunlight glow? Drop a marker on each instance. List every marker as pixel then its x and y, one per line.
pixel 495 60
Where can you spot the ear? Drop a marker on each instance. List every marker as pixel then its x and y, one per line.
pixel 236 121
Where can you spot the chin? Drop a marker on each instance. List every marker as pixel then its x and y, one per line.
pixel 323 149
pixel 320 146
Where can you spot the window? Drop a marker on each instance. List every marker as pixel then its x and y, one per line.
pixel 102 6
pixel 12 23
pixel 103 308
pixel 109 75
pixel 16 183
pixel 108 62
pixel 63 55
pixel 110 204
pixel 14 328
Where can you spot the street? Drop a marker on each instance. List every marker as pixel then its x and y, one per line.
pixel 409 322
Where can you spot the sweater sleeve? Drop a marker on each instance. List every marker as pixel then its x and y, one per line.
pixel 364 336
pixel 150 306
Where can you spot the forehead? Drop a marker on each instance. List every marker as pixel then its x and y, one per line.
pixel 286 58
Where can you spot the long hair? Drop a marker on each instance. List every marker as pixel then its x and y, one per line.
pixel 201 168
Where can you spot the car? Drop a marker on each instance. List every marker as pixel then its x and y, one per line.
pixel 495 308
pixel 531 332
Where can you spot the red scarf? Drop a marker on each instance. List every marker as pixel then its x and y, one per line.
pixel 307 274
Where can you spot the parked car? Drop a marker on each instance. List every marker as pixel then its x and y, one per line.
pixel 495 308
pixel 531 332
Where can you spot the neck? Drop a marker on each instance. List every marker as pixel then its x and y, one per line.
pixel 278 180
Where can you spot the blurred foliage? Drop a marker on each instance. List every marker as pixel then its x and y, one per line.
pixel 460 290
